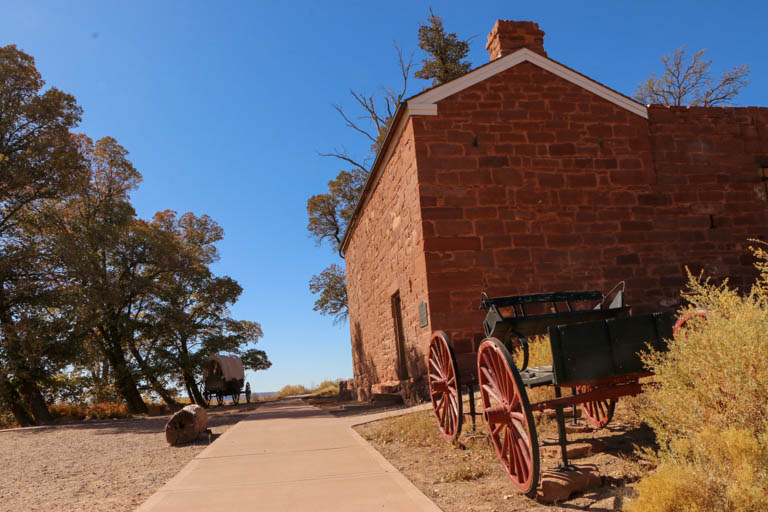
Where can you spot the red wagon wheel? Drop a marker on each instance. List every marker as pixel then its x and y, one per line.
pixel 508 415
pixel 599 412
pixel 444 386
pixel 698 313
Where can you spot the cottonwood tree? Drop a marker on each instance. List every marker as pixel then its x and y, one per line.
pixel 329 213
pixel 39 161
pixel 690 82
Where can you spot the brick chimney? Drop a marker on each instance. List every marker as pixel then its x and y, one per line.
pixel 508 36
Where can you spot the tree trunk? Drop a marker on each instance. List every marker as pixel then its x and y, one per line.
pixel 189 381
pixel 186 425
pixel 33 398
pixel 151 378
pixel 126 384
pixel 11 399
pixel 190 395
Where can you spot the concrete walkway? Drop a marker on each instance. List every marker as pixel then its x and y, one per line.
pixel 289 456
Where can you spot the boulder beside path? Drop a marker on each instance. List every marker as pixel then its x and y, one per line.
pixel 186 425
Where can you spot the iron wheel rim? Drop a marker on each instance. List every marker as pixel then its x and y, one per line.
pixel 443 372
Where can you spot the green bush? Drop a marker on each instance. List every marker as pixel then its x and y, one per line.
pixel 709 407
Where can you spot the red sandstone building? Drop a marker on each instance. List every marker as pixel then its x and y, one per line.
pixel 526 176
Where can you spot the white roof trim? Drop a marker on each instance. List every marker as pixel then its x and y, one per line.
pixel 426 103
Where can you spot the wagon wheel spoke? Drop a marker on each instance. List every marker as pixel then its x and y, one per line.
pixel 492 392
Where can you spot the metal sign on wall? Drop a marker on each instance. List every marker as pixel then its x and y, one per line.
pixel 423 316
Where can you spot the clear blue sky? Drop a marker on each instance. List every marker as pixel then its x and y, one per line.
pixel 224 106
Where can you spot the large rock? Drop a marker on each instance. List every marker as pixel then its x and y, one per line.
pixel 559 485
pixel 186 425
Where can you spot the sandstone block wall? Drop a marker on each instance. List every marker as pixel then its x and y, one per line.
pixel 386 256
pixel 526 183
pixel 531 184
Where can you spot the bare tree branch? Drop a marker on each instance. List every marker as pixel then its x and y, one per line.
pixel 690 83
pixel 343 155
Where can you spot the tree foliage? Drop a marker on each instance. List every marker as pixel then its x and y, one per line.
pixel 91 295
pixel 330 213
pixel 690 82
pixel 190 318
pixel 39 161
pixel 331 287
pixel 445 52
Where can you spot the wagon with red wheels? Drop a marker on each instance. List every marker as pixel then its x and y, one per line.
pixel 595 355
pixel 511 320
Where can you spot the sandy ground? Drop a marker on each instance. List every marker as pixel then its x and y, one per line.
pixel 105 466
pixel 469 477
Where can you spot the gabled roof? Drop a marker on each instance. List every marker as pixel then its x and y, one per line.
pixel 425 104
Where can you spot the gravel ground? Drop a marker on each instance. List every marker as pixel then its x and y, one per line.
pixel 112 466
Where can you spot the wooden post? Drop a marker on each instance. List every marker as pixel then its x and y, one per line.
pixel 186 425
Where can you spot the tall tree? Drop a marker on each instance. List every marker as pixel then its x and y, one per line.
pixel 445 52
pixel 110 255
pixel 39 161
pixel 690 82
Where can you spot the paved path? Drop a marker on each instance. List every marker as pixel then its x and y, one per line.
pixel 289 456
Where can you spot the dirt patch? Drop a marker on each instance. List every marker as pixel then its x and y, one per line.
pixel 96 466
pixel 467 476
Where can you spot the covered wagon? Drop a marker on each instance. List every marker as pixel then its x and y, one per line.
pixel 224 376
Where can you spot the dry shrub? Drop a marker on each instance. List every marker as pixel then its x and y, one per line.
pixel 710 407
pixel 539 352
pixel 7 419
pixel 469 470
pixel 415 429
pixel 159 409
pixel 326 388
pixel 89 412
pixel 70 411
pixel 292 390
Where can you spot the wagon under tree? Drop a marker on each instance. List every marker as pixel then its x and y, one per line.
pixel 224 376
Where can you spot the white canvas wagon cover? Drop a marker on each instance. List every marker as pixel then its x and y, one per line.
pixel 231 366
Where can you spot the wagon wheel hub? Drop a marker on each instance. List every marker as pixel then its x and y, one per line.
pixel 498 414
pixel 440 386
